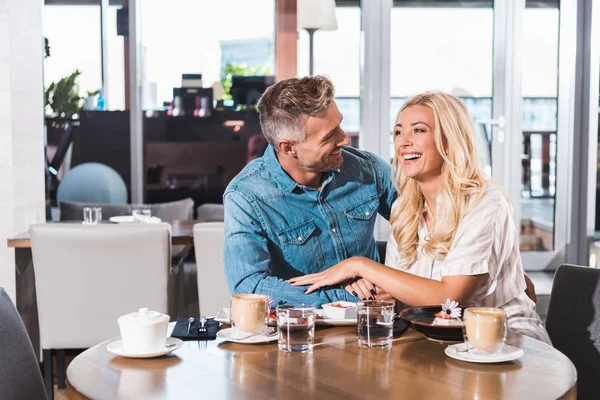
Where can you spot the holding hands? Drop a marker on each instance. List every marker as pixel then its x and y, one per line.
pixel 345 271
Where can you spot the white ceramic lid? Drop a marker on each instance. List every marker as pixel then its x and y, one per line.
pixel 143 317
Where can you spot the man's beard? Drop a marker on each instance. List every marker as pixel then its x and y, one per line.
pixel 322 166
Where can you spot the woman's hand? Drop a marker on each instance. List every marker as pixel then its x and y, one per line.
pixel 362 288
pixel 343 271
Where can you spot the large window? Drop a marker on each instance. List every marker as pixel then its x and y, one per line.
pixel 203 37
pixel 73 33
pixel 540 111
pixel 337 55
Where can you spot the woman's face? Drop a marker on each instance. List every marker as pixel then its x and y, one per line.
pixel 415 146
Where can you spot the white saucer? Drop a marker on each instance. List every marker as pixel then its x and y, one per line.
pixel 128 219
pixel 459 352
pixel 116 347
pixel 237 336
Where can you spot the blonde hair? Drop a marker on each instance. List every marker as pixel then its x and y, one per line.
pixel 284 107
pixel 462 181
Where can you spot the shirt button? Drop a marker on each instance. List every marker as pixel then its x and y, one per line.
pixel 333 230
pixel 367 213
pixel 299 238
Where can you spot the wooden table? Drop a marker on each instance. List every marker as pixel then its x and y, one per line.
pixel 181 235
pixel 337 368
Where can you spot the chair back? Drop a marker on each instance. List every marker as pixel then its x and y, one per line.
pixel 86 276
pixel 381 248
pixel 211 212
pixel 167 212
pixel 73 210
pixel 573 323
pixel 213 293
pixel 173 210
pixel 20 376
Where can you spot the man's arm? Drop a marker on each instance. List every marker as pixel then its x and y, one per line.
pixel 248 261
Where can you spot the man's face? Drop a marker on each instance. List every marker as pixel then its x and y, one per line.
pixel 321 151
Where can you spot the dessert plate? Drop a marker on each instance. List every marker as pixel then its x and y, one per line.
pixel 421 319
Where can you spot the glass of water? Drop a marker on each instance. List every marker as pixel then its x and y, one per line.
pixel 375 323
pixel 296 327
pixel 92 215
pixel 142 215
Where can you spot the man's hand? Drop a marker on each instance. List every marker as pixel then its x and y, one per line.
pixel 530 288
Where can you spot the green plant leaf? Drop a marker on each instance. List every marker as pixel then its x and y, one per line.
pixel 244 70
pixel 63 96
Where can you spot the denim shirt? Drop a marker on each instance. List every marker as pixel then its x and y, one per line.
pixel 276 229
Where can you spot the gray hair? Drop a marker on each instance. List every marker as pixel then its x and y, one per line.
pixel 284 107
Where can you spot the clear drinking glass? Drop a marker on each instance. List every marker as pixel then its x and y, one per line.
pixel 484 330
pixel 92 215
pixel 375 323
pixel 142 215
pixel 296 327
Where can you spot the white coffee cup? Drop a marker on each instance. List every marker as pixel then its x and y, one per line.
pixel 143 331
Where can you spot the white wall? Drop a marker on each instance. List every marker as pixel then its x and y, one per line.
pixel 22 196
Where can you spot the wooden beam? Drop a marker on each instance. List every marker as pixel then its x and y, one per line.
pixel 286 40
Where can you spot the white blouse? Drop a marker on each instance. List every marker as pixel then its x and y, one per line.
pixel 486 242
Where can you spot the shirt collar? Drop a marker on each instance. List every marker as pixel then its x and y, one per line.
pixel 284 181
pixel 281 177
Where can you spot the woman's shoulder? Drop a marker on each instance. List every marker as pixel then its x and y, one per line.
pixel 493 202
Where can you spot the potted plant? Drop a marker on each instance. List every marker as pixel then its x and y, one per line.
pixel 62 97
pixel 90 101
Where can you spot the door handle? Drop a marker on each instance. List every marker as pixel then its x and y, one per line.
pixel 499 122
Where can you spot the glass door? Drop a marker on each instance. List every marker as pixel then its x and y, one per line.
pixel 501 58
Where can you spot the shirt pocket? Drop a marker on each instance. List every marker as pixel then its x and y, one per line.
pixel 301 246
pixel 361 218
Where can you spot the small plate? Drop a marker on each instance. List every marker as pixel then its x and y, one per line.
pixel 421 319
pixel 237 336
pixel 128 219
pixel 116 347
pixel 224 313
pixel 459 351
pixel 324 321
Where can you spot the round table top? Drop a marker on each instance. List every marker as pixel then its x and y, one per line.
pixel 413 367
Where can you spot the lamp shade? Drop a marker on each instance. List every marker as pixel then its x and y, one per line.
pixel 316 14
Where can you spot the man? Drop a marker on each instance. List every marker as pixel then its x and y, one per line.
pixel 308 203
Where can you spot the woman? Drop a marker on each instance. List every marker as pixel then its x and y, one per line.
pixel 452 235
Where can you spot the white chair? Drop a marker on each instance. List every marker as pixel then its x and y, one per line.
pixel 86 276
pixel 213 293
